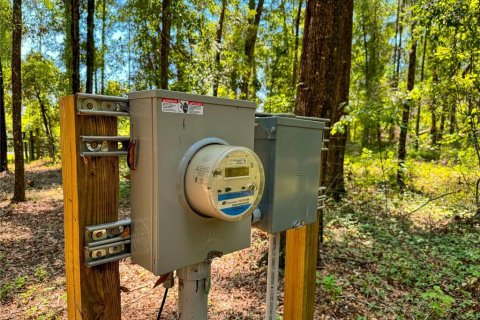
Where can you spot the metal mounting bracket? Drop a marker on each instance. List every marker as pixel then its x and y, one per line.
pixel 98 146
pixel 98 105
pixel 107 242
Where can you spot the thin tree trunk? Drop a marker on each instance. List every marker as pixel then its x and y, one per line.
pixel 90 44
pixel 453 118
pixel 396 58
pixel 399 53
pixel 47 125
pixel 402 143
pixel 19 190
pixel 433 110
pixel 219 43
pixel 38 142
pixel 250 41
pixel 297 43
pixel 325 76
pixel 102 71
pixel 165 49
pixel 442 123
pixel 3 125
pixel 419 108
pixel 365 48
pixel 395 47
pixel 74 7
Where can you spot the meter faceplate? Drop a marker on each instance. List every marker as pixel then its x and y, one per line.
pixel 224 182
pixel 166 233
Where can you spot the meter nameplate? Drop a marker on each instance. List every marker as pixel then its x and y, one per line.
pixel 201 174
pixel 182 106
pixel 235 203
pixel 237 161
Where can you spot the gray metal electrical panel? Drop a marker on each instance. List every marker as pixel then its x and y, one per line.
pixel 289 148
pixel 166 125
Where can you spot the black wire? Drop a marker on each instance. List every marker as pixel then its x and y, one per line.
pixel 163 303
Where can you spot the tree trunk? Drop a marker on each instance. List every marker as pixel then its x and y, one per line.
pixel 402 143
pixel 19 190
pixel 295 48
pixel 165 49
pixel 47 125
pixel 399 51
pixel 433 126
pixel 38 142
pixel 218 54
pixel 3 125
pixel 74 12
pixel 397 54
pixel 90 44
pixel 102 71
pixel 419 108
pixel 453 118
pixel 250 41
pixel 325 76
pixel 442 123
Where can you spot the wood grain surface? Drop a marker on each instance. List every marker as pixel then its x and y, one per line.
pixel 90 188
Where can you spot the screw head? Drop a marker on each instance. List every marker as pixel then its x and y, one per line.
pixel 89 105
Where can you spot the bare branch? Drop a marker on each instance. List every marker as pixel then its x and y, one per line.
pixel 433 199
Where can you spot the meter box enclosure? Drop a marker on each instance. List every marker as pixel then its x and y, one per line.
pixel 192 152
pixel 290 150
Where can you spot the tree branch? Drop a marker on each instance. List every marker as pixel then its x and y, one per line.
pixel 433 199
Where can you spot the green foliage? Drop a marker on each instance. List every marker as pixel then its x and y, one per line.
pixel 405 248
pixel 40 273
pixel 9 288
pixel 371 108
pixel 440 302
pixel 330 286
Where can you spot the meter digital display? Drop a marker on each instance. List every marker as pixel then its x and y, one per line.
pixel 236 172
pixel 225 182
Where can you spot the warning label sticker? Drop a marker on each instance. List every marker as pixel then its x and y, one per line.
pixel 182 106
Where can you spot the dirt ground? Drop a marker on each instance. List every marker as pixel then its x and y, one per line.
pixel 32 274
pixel 372 265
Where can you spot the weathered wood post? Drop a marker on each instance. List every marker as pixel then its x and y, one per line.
pixel 90 188
pixel 300 272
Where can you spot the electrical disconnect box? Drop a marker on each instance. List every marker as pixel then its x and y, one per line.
pixel 289 148
pixel 196 179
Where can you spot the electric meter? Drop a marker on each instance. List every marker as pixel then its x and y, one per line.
pixel 224 182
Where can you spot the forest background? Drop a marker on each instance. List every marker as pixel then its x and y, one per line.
pixel 411 120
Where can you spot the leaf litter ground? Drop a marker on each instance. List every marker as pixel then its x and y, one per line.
pixel 371 265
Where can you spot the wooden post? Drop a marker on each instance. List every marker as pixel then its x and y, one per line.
pixel 90 189
pixel 300 272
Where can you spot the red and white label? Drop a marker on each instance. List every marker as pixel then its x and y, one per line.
pixel 182 106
